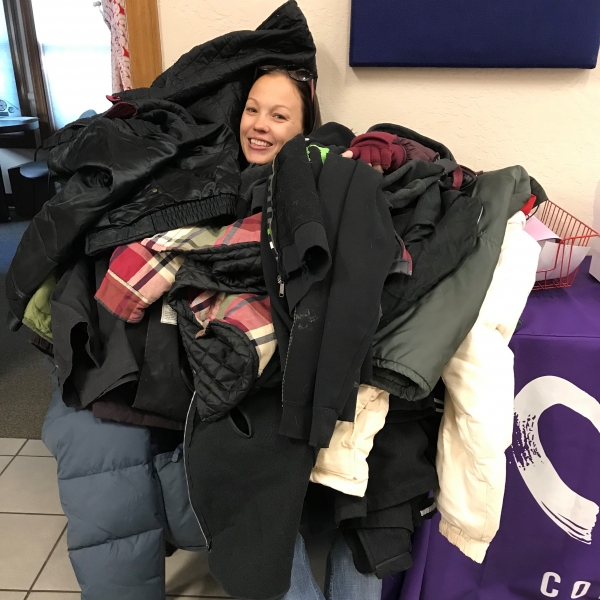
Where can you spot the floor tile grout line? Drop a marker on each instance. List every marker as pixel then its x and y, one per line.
pixel 33 456
pixel 30 514
pixel 72 592
pixel 8 464
pixel 44 592
pixel 47 560
pixel 21 448
pixel 13 457
pixel 64 592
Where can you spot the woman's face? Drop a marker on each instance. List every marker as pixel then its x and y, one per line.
pixel 272 116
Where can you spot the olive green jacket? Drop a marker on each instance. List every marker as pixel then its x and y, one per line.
pixel 410 352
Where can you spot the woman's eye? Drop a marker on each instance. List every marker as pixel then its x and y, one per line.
pixel 280 117
pixel 250 109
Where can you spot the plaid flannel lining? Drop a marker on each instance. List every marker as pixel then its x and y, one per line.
pixel 141 272
pixel 194 239
pixel 137 277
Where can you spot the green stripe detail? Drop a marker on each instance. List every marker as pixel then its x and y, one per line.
pixel 322 150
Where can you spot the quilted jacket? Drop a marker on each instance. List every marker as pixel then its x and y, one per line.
pixel 227 331
pixel 161 158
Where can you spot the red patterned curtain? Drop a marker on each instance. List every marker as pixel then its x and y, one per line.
pixel 115 17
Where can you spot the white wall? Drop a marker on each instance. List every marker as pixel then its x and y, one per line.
pixel 546 120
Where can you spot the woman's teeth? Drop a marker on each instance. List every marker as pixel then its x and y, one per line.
pixel 260 143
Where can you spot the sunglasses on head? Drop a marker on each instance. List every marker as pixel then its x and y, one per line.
pixel 303 75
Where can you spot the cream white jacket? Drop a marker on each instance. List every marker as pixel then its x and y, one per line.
pixel 477 423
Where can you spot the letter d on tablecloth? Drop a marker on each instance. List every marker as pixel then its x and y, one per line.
pixel 580 589
pixel 573 513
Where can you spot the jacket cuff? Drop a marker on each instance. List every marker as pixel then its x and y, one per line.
pixel 337 481
pixel 303 422
pixel 474 549
pixel 323 424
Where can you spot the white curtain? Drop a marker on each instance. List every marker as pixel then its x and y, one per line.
pixel 115 18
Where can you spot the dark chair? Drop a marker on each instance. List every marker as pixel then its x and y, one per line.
pixel 31 187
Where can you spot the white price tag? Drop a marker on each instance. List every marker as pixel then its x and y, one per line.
pixel 168 315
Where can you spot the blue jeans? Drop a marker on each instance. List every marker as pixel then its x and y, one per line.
pixel 343 581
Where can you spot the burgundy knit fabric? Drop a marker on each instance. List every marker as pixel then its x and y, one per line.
pixel 389 150
pixel 379 148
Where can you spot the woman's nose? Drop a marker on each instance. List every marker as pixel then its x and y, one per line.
pixel 261 124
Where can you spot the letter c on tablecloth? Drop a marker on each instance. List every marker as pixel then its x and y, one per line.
pixel 546 580
pixel 573 513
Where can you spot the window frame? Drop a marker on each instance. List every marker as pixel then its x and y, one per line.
pixel 29 78
pixel 144 41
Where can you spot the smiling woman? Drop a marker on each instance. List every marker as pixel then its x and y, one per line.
pixel 280 105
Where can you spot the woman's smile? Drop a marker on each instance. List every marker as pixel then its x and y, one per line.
pixel 259 144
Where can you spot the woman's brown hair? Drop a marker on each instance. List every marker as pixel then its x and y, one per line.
pixel 311 114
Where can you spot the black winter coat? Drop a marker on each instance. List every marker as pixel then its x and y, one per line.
pixel 334 245
pixel 163 157
pixel 128 179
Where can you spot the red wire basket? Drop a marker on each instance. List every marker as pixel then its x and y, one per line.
pixel 572 232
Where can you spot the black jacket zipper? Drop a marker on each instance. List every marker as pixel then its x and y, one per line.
pixel 271 233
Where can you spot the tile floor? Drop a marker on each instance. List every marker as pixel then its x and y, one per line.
pixel 34 564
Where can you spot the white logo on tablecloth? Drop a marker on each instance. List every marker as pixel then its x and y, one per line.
pixel 573 513
pixel 550 588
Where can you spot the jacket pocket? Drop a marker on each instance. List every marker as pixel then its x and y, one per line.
pixel 240 422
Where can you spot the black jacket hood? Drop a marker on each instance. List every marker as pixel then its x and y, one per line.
pixel 213 79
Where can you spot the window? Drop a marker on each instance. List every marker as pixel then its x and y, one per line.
pixel 55 63
pixel 74 44
pixel 55 59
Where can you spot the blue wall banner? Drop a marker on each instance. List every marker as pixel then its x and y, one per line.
pixel 475 33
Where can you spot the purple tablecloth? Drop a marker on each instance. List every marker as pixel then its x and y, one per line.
pixel 548 545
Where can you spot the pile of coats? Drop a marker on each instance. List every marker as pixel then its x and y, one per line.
pixel 299 327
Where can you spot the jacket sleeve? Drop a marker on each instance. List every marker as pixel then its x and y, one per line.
pixel 343 465
pixel 477 424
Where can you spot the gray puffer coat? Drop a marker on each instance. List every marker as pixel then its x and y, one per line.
pixel 122 503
